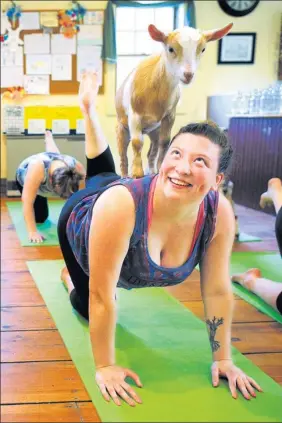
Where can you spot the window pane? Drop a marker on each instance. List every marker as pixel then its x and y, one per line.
pixel 164 18
pixel 125 18
pixel 180 22
pixel 125 42
pixel 143 43
pixel 124 66
pixel 144 18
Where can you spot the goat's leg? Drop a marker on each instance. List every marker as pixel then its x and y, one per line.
pixel 135 128
pixel 153 151
pixel 165 131
pixel 123 138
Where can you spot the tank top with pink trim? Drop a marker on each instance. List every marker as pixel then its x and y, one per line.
pixel 138 269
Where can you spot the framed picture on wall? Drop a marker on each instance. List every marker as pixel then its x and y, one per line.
pixel 237 48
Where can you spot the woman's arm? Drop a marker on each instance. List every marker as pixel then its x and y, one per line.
pixel 216 284
pixel 112 224
pixel 50 145
pixel 95 141
pixel 34 177
pixel 111 228
pixel 218 301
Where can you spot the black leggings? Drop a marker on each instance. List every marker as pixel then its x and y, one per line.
pixel 278 232
pixel 100 172
pixel 40 206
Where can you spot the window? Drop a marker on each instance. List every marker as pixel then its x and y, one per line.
pixel 133 39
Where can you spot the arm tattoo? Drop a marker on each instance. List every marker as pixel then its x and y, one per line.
pixel 213 325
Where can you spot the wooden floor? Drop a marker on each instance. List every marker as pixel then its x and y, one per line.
pixel 39 382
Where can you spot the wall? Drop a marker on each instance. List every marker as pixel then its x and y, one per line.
pixel 210 79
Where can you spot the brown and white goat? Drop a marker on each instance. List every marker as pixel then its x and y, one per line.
pixel 146 101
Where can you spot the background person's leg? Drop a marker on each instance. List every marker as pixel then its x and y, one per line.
pixel 41 210
pixel 278 229
pixel 40 206
pixel 266 289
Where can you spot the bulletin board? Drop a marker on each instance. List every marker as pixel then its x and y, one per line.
pixel 60 87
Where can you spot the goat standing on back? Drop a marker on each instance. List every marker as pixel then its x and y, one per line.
pixel 146 101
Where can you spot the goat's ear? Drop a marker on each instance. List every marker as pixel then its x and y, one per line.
pixel 156 34
pixel 217 34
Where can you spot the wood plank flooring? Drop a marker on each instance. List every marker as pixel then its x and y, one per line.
pixel 39 381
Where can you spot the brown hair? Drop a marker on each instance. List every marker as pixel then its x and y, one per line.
pixel 212 131
pixel 65 181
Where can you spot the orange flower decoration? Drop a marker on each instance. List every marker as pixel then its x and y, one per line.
pixel 15 93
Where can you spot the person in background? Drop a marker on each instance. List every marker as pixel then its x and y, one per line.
pixel 44 175
pixel 269 291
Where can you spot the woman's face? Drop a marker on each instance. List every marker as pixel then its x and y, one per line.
pixel 190 167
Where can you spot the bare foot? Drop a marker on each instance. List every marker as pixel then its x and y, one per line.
pixel 248 278
pixel 266 199
pixel 48 134
pixel 66 279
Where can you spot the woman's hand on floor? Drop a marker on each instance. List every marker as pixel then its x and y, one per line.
pixel 236 378
pixel 35 237
pixel 88 90
pixel 111 381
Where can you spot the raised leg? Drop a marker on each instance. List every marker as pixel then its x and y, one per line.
pixel 165 132
pixel 153 151
pixel 123 139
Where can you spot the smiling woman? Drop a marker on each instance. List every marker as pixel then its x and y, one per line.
pixel 150 232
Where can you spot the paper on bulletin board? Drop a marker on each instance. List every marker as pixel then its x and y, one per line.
pixel 30 20
pixel 49 19
pixel 11 58
pixel 36 126
pixel 93 17
pixel 12 76
pixel 62 45
pixel 90 35
pixel 37 84
pixel 89 58
pixel 37 43
pixel 60 126
pixel 13 120
pixel 61 67
pixel 38 64
pixel 80 126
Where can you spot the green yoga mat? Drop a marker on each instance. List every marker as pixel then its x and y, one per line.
pixel 167 346
pixel 270 265
pixel 243 237
pixel 48 229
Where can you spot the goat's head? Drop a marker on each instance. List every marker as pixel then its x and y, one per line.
pixel 183 48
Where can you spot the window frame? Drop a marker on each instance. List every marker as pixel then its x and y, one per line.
pixel 176 13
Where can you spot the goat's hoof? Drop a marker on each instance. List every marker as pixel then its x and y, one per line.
pixel 137 173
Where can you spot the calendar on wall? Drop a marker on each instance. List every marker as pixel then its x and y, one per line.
pixel 13 120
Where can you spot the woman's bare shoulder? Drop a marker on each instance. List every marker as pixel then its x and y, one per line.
pixel 116 203
pixel 36 167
